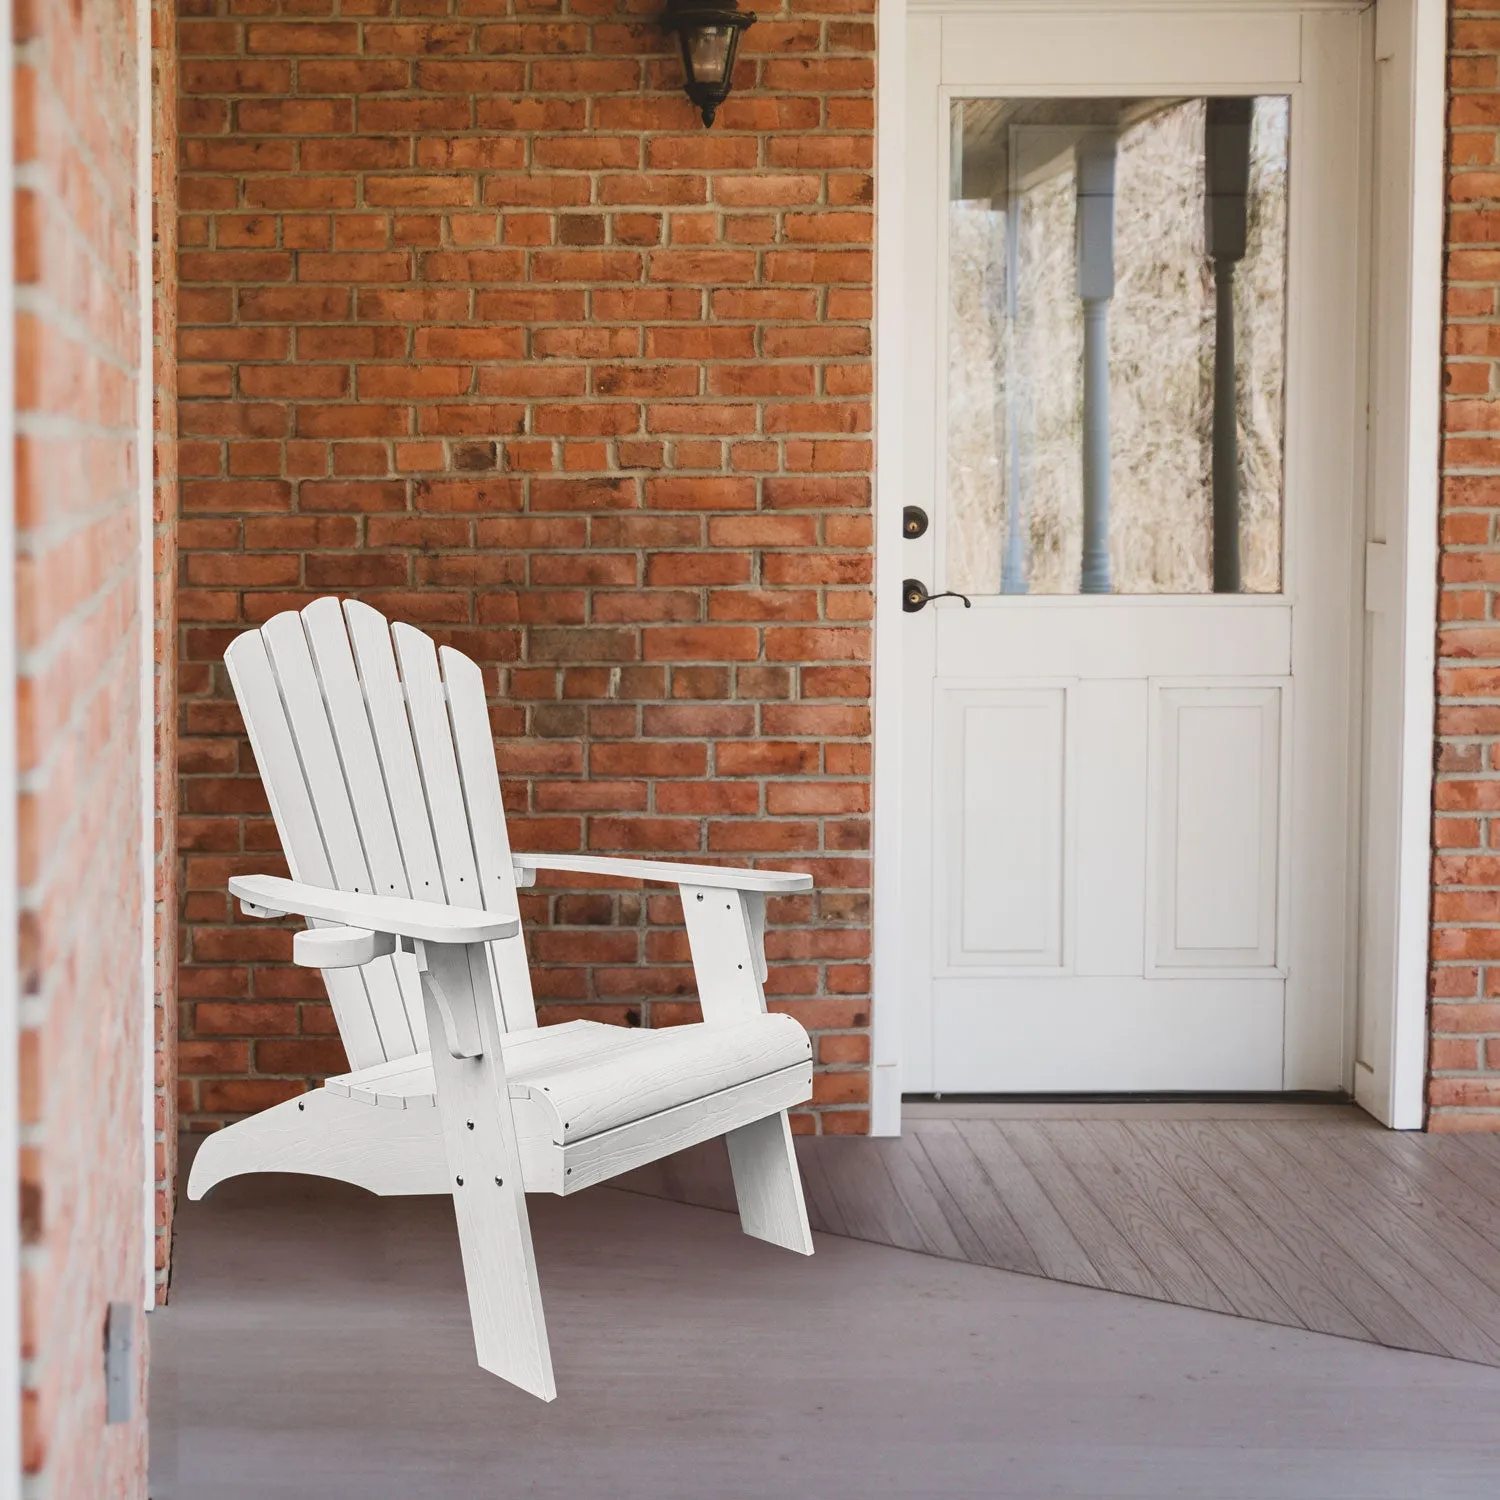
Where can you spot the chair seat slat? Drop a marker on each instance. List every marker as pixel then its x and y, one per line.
pixel 587 1078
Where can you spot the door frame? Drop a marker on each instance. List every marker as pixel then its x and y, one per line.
pixel 1404 249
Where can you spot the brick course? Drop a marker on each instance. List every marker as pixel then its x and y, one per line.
pixel 479 324
pixel 79 643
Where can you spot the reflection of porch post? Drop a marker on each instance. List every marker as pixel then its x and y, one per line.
pixel 1013 571
pixel 1226 162
pixel 1096 285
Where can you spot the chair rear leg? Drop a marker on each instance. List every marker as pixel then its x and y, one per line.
pixel 489 1202
pixel 768 1184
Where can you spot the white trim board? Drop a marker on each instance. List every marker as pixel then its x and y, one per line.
pixel 1410 46
pixel 1402 557
pixel 890 365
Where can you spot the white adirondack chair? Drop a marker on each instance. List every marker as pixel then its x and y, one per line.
pixel 380 770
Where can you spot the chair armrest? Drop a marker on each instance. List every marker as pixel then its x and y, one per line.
pixel 667 872
pixel 424 921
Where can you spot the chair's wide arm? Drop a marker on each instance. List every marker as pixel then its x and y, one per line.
pixel 668 872
pixel 423 921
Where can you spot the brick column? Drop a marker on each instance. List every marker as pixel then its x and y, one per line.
pixel 1465 1085
pixel 79 632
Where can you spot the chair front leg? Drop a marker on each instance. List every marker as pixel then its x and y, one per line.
pixel 725 931
pixel 484 1170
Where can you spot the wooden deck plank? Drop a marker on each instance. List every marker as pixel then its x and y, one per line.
pixel 1005 1246
pixel 1430 1178
pixel 1462 1256
pixel 1112 1255
pixel 1312 1300
pixel 1479 1153
pixel 1294 1205
pixel 866 1193
pixel 1106 1182
pixel 823 1212
pixel 1430 1175
pixel 1216 1255
pixel 1057 1250
pixel 1446 1151
pixel 941 1222
pixel 1414 1277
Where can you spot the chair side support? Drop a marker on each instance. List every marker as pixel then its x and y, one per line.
pixel 726 930
pixel 488 1184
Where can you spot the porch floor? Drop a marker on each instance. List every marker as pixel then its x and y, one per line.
pixel 1307 1215
pixel 317 1344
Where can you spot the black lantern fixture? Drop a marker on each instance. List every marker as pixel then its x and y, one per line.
pixel 708 36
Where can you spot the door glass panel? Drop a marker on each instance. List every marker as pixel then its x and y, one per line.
pixel 1116 345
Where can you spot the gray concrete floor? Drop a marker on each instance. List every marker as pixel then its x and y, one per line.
pixel 317 1344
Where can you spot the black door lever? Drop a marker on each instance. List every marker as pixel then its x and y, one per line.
pixel 914 595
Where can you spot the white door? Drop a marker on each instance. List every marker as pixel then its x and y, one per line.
pixel 1133 430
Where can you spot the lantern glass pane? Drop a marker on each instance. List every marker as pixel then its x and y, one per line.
pixel 706 52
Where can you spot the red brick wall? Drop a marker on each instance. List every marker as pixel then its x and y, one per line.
pixel 164 413
pixel 79 721
pixel 480 324
pixel 1465 1085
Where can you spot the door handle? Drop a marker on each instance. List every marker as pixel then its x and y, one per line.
pixel 914 595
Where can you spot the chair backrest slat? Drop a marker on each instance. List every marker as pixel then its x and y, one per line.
pixel 281 773
pixel 380 768
pixel 371 639
pixel 328 640
pixel 427 709
pixel 307 714
pixel 400 1010
pixel 331 784
pixel 475 747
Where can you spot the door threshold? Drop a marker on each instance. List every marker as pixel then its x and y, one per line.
pixel 1301 1105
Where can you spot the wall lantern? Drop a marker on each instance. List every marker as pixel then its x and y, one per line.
pixel 709 37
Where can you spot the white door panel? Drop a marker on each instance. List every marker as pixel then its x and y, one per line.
pixel 1084 52
pixel 1039 1036
pixel 1109 799
pixel 1126 856
pixel 1163 636
pixel 1215 823
pixel 1002 766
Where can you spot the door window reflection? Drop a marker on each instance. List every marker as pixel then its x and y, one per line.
pixel 1116 335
